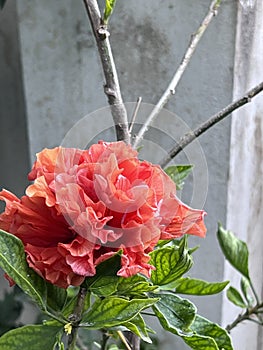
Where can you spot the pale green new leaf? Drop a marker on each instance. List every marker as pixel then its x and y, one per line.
pixel 192 286
pixel 109 7
pixel 178 173
pixel 170 263
pixel 174 313
pixel 32 337
pixel 235 297
pixel 13 262
pixel 234 249
pixel 114 311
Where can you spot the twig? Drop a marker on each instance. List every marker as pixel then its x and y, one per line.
pixel 123 339
pixel 75 318
pixel 245 317
pixel 135 113
pixel 112 87
pixel 192 135
pixel 180 71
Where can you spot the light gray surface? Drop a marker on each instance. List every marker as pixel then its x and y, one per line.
pixel 245 210
pixel 63 82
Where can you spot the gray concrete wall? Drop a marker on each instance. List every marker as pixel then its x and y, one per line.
pixel 13 132
pixel 14 156
pixel 63 82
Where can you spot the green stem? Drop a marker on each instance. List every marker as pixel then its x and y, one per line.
pixel 75 318
pixel 254 292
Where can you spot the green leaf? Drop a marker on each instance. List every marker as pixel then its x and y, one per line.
pixel 207 331
pixel 234 249
pixel 194 286
pixel 245 286
pixel 56 297
pixel 105 285
pixel 109 267
pixel 235 297
pixel 2 4
pixel 135 285
pixel 109 7
pixel 200 342
pixel 138 327
pixel 114 311
pixel 174 313
pixel 178 173
pixel 170 263
pixel 13 262
pixel 32 337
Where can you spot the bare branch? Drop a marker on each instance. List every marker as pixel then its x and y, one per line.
pixel 192 135
pixel 246 316
pixel 170 91
pixel 112 87
pixel 135 113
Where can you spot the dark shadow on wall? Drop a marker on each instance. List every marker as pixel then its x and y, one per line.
pixel 14 155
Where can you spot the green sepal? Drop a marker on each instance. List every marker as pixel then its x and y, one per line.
pixel 178 173
pixel 235 297
pixel 33 337
pixel 108 10
pixel 114 311
pixel 192 286
pixel 170 263
pixel 174 313
pixel 235 250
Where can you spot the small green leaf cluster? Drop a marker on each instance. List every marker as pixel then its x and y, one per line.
pixel 237 253
pixel 108 10
pixel 178 173
pixel 114 304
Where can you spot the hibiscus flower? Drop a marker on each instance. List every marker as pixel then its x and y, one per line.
pixel 85 205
